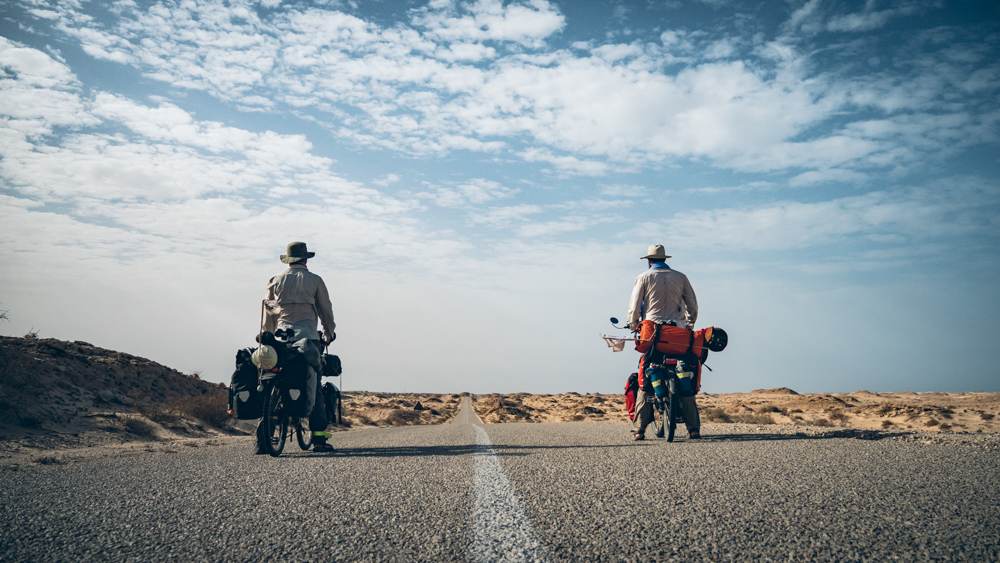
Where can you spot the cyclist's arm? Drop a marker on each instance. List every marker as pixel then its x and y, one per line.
pixel 324 309
pixel 635 303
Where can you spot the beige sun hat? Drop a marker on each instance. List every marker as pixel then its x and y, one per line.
pixel 656 251
pixel 296 251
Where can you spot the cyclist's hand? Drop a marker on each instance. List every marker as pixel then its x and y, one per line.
pixel 329 337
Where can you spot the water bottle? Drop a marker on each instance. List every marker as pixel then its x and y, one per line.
pixel 685 379
pixel 658 377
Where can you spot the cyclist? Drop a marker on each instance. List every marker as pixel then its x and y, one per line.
pixel 664 296
pixel 295 300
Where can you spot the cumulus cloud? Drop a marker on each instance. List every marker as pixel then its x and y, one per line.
pixel 480 76
pixel 471 193
pixel 953 208
pixel 527 23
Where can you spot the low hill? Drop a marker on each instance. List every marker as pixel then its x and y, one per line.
pixel 70 392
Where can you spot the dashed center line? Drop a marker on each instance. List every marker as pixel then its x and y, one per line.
pixel 503 531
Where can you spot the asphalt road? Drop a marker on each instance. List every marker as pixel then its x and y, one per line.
pixel 516 492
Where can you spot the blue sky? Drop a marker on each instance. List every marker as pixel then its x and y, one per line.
pixel 479 179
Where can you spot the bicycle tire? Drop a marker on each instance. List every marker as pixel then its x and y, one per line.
pixel 340 411
pixel 275 424
pixel 670 419
pixel 303 434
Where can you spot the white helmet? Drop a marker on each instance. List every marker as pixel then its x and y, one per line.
pixel 264 357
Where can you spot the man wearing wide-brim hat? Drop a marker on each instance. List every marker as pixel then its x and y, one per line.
pixel 295 300
pixel 664 296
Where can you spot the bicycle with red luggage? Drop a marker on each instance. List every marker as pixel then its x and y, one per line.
pixel 672 360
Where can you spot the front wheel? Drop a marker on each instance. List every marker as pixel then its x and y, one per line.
pixel 303 435
pixel 275 424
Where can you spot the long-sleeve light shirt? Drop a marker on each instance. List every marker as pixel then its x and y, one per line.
pixel 661 294
pixel 295 299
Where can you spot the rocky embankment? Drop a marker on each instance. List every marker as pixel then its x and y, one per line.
pixel 58 393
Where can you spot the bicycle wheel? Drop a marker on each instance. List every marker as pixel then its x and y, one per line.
pixel 275 424
pixel 657 427
pixel 303 435
pixel 340 412
pixel 670 417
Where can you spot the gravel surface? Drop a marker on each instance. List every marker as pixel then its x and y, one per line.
pixel 589 493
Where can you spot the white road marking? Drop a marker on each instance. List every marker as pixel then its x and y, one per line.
pixel 502 529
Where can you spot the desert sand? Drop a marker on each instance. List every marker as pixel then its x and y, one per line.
pixel 940 412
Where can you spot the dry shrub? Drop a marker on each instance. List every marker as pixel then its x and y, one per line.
pixel 400 417
pixel 945 427
pixel 137 426
pixel 769 408
pixel 716 414
pixel 155 410
pixel 211 409
pixel 946 413
pixel 931 422
pixel 838 415
pixel 753 418
pixel 362 419
pixel 986 416
pixel 822 422
pixel 886 423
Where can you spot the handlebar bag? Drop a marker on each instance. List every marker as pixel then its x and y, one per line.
pixel 331 366
pixel 244 400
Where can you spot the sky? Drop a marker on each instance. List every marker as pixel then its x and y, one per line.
pixel 479 180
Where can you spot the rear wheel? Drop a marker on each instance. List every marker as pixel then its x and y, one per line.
pixel 670 417
pixel 275 424
pixel 340 413
pixel 303 435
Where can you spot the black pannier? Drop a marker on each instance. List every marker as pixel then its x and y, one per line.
pixel 244 400
pixel 292 382
pixel 331 399
pixel 331 366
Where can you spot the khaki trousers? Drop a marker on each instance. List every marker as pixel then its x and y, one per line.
pixel 644 412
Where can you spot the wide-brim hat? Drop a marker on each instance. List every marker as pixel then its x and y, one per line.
pixel 656 251
pixel 296 251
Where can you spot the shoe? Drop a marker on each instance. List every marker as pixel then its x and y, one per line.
pixel 694 435
pixel 322 447
pixel 638 437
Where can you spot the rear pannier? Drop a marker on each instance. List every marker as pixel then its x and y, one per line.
pixel 244 400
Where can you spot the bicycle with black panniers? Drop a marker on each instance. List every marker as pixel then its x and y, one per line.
pixel 270 384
